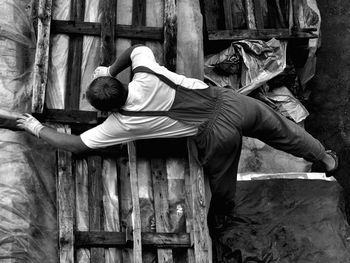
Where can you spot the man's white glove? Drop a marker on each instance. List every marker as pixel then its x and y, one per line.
pixel 101 72
pixel 30 124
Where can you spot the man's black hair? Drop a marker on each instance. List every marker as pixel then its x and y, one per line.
pixel 106 94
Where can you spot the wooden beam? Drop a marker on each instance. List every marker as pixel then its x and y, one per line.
pixel 94 29
pixel 170 35
pixel 69 116
pixel 228 11
pixel 95 190
pixel 200 231
pixel 75 54
pixel 161 204
pixel 138 17
pixel 119 239
pixel 233 35
pixel 135 202
pixel 41 56
pixel 189 211
pixel 65 203
pixel 258 14
pixel 108 52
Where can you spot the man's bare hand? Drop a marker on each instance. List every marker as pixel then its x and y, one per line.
pixel 29 124
pixel 101 72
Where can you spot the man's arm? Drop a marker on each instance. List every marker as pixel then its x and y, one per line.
pixel 67 142
pixel 122 62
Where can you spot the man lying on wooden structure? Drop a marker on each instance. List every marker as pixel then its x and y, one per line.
pixel 158 103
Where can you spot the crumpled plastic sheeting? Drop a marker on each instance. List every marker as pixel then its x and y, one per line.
pixel 288 105
pixel 28 229
pixel 261 61
pixel 309 17
pixel 17 49
pixel 286 221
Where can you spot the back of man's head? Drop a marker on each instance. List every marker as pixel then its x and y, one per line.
pixel 106 94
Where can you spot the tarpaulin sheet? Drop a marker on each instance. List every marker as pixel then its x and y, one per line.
pixel 260 61
pixel 28 230
pixel 286 221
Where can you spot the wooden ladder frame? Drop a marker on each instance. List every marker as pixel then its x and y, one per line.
pixel 255 25
pixel 196 240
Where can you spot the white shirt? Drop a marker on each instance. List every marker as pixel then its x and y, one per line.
pixel 146 93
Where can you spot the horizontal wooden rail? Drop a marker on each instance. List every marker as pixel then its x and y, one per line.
pixel 125 239
pixel 94 29
pixel 239 34
pixel 70 116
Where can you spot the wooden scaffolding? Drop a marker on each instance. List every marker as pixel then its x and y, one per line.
pixel 189 242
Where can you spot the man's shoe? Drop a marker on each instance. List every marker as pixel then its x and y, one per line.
pixel 319 166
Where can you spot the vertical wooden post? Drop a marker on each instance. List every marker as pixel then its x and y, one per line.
pixel 95 203
pixel 138 16
pixel 200 229
pixel 228 10
pixel 75 53
pixel 135 202
pixel 66 204
pixel 125 198
pixel 258 14
pixel 189 213
pixel 41 56
pixel 108 51
pixel 161 204
pixel 170 35
pixel 251 22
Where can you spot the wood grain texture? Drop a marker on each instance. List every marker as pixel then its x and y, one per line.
pixel 170 35
pixel 94 29
pixel 137 253
pixel 161 204
pixel 95 203
pixel 108 52
pixel 75 54
pixel 66 203
pixel 199 208
pixel 251 21
pixel 41 56
pixel 105 239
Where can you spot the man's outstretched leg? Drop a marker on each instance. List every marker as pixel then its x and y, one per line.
pixel 269 126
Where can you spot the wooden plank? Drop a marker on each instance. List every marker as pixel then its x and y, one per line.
pixel 118 239
pixel 265 34
pixel 138 17
pixel 125 199
pixel 200 232
pixel 161 204
pixel 69 116
pixel 94 29
pixel 147 209
pixel 189 211
pixel 41 56
pixel 170 35
pixel 228 11
pixel 75 54
pixel 137 253
pixel 108 21
pixel 259 19
pixel 95 203
pixel 251 22
pixel 66 204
